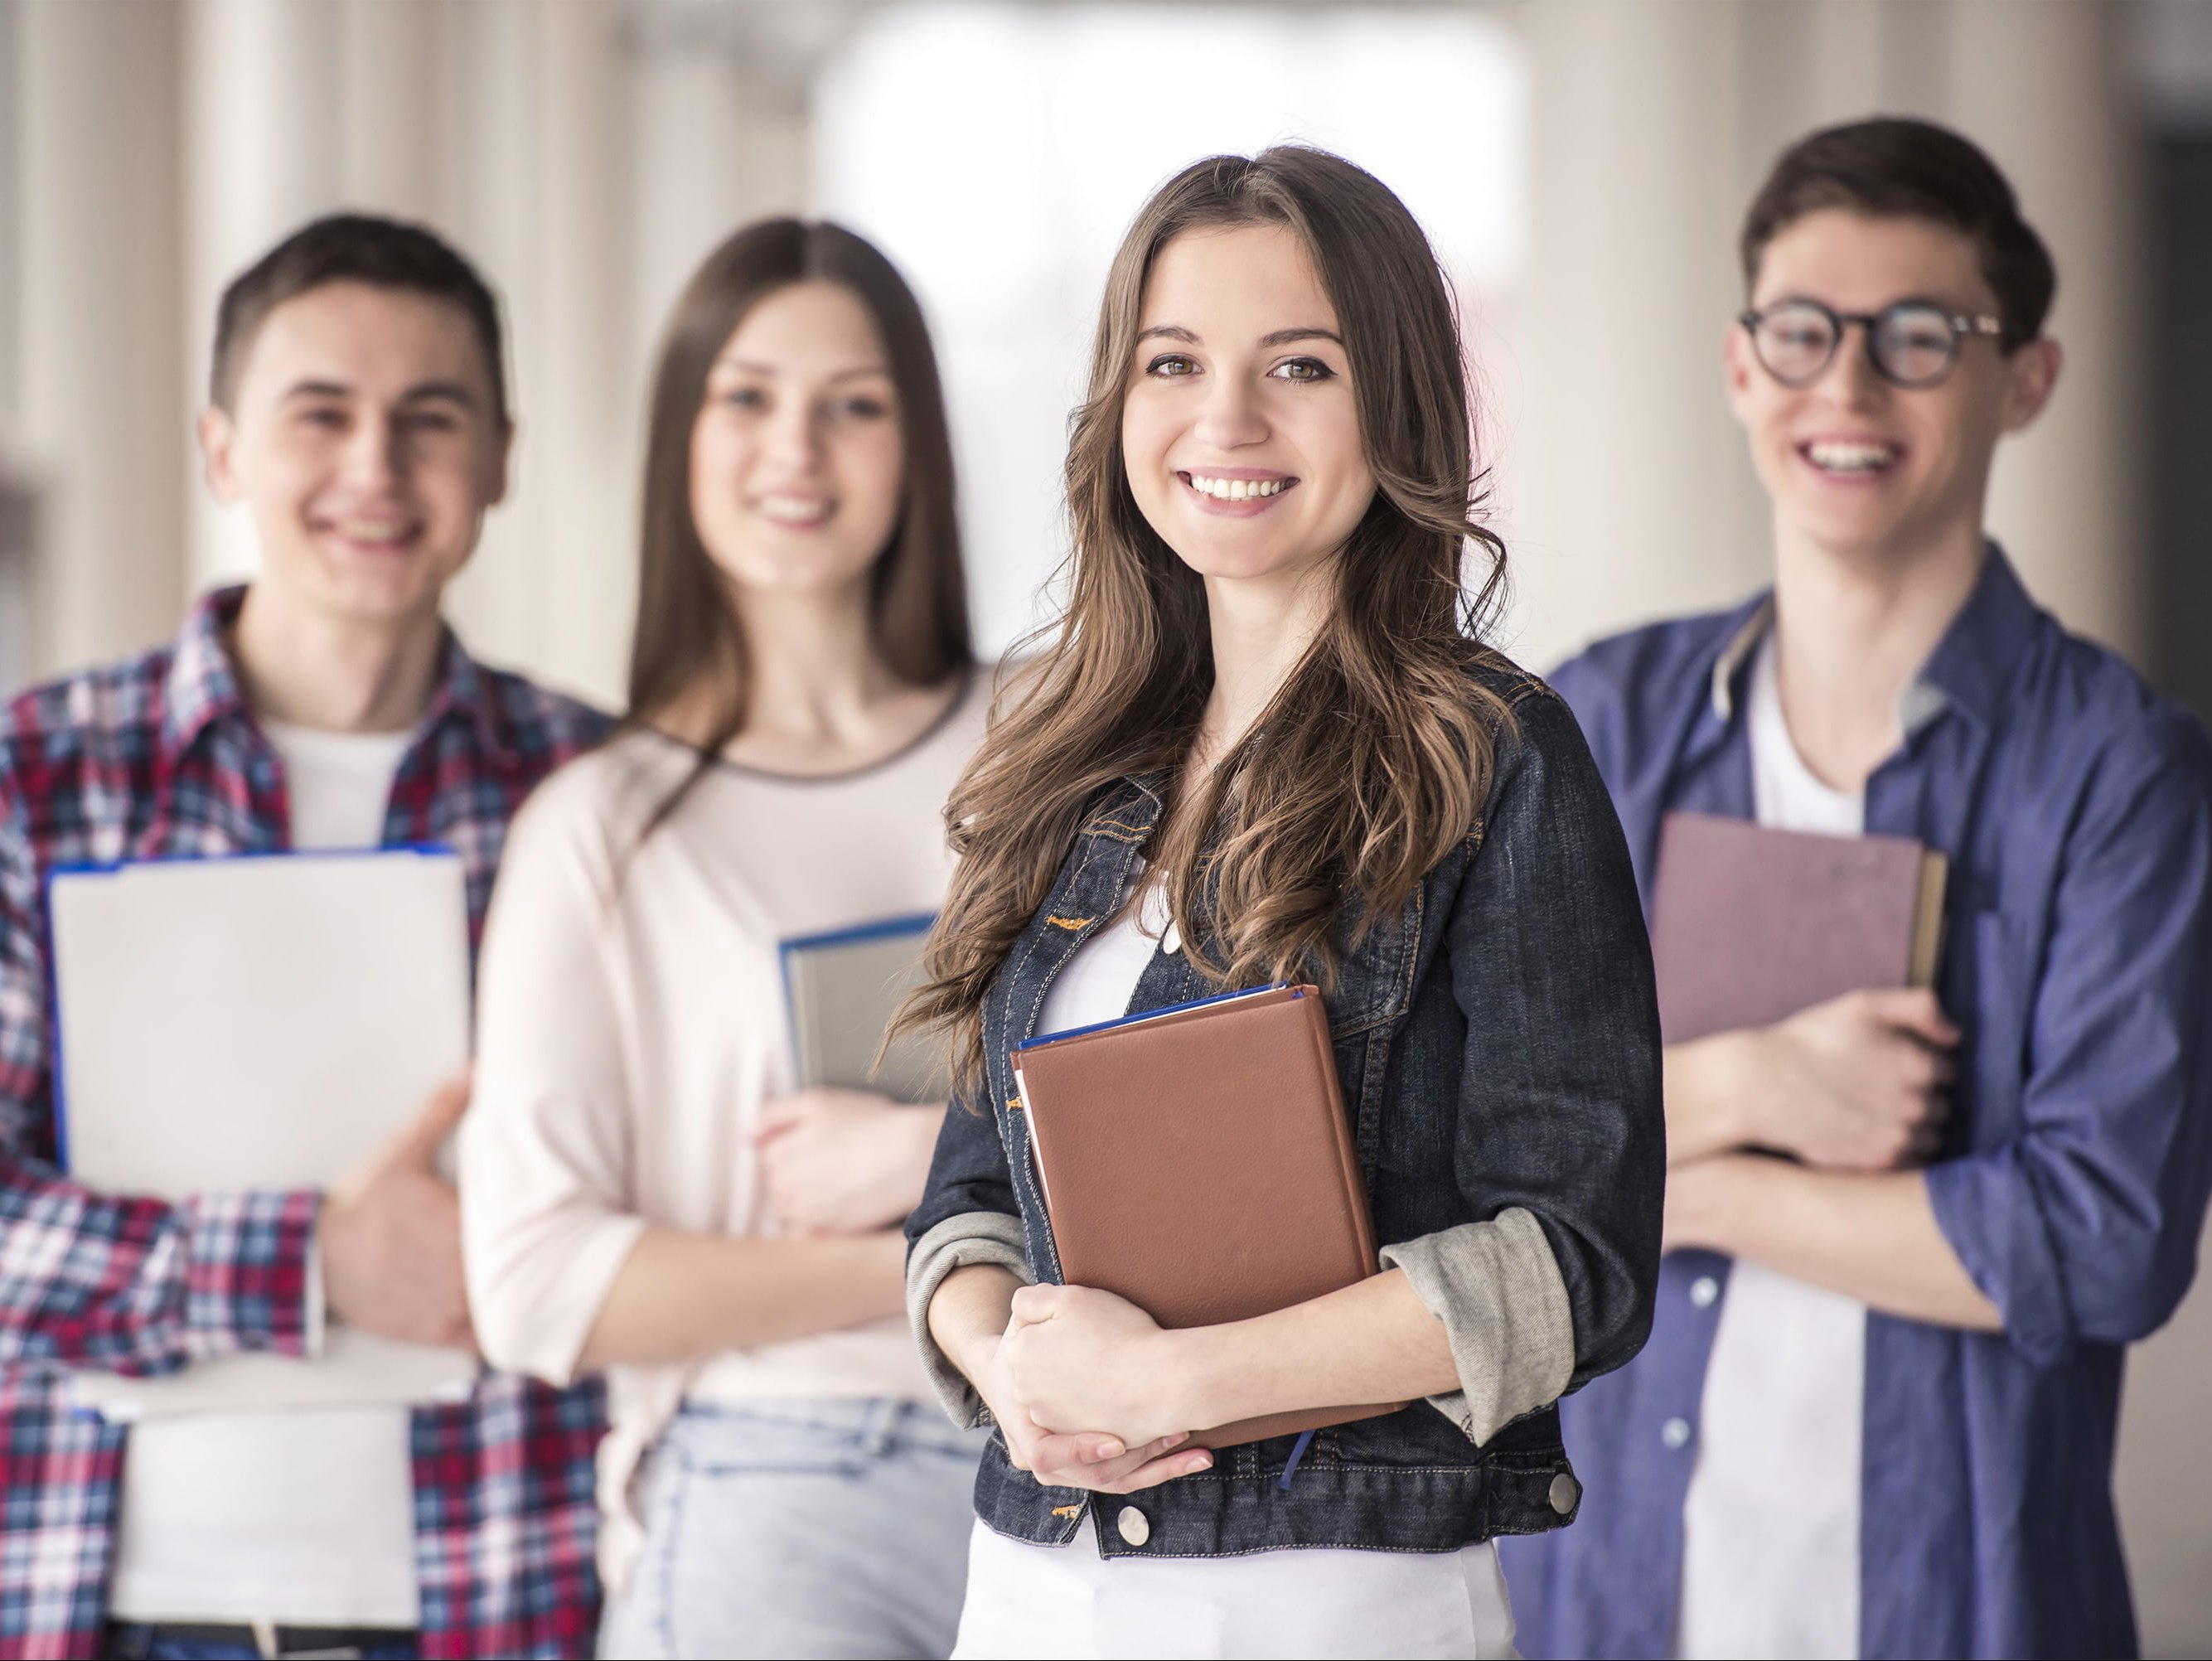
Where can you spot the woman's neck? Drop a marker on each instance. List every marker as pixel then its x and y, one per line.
pixel 819 699
pixel 1261 631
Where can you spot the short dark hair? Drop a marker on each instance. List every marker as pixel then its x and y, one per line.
pixel 353 247
pixel 1895 167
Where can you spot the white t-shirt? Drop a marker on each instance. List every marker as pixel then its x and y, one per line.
pixel 631 1022
pixel 1315 1601
pixel 1771 1523
pixel 305 1517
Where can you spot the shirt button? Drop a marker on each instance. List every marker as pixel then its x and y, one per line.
pixel 1675 1433
pixel 1565 1492
pixel 1134 1528
pixel 1703 1290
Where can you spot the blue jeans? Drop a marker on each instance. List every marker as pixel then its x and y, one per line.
pixel 816 1528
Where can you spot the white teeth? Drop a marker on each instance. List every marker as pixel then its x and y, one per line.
pixel 371 530
pixel 1236 490
pixel 783 507
pixel 1842 456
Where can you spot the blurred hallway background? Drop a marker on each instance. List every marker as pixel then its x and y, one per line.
pixel 1581 163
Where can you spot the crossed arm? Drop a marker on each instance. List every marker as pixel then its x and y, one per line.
pixel 1856 1090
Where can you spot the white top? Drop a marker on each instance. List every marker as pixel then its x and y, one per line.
pixel 1771 1523
pixel 1028 1600
pixel 303 1517
pixel 630 1023
pixel 1098 981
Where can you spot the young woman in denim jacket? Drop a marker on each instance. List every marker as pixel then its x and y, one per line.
pixel 1267 744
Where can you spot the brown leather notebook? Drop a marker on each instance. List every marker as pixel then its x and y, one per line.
pixel 1197 1161
pixel 1750 925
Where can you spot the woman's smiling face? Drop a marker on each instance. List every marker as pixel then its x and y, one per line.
pixel 798 454
pixel 1240 433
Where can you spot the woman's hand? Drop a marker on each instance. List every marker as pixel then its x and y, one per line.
pixel 1098 1460
pixel 1080 1356
pixel 843 1161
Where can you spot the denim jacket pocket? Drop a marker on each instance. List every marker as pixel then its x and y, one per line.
pixel 1374 983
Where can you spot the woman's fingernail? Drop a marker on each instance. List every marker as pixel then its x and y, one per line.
pixel 1204 1461
pixel 1178 1439
pixel 1110 1449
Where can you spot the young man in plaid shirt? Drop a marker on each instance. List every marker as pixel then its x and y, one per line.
pixel 358 412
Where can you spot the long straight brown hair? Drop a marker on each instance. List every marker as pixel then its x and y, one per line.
pixel 689 633
pixel 1375 756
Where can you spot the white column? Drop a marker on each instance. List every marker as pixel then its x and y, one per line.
pixel 103 412
pixel 549 590
pixel 263 101
pixel 2038 87
pixel 1636 499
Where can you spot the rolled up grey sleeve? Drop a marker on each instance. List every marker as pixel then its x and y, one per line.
pixel 972 1237
pixel 1497 1289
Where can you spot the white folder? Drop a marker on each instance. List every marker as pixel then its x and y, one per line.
pixel 264 1021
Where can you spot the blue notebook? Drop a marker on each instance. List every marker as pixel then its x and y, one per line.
pixel 842 988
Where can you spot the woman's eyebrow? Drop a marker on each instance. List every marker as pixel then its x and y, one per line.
pixel 770 371
pixel 1279 337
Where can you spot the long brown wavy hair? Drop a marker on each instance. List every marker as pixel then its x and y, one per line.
pixel 688 634
pixel 1374 757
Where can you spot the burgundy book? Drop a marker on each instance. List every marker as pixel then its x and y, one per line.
pixel 1751 925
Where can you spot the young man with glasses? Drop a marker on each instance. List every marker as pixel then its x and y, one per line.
pixel 358 413
pixel 1910 1232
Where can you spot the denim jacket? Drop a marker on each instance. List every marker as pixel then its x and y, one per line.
pixel 1497 1045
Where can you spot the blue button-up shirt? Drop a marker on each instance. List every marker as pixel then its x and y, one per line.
pixel 2076 809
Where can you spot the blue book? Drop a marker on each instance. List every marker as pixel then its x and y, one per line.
pixel 842 989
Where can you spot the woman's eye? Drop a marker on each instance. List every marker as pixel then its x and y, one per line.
pixel 1170 366
pixel 1302 368
pixel 745 397
pixel 865 408
pixel 330 420
pixel 431 423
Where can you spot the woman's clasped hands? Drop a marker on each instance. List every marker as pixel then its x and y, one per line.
pixel 1073 1356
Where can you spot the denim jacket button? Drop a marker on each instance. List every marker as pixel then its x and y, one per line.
pixel 1135 1528
pixel 1675 1433
pixel 1703 1290
pixel 1565 1492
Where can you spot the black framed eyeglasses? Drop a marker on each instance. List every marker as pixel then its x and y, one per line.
pixel 1912 344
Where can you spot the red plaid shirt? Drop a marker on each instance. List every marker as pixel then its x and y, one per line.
pixel 161 755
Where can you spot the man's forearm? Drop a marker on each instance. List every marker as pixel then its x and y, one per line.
pixel 1704 1097
pixel 1872 1237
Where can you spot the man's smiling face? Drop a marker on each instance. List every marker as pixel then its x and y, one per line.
pixel 363 437
pixel 1856 464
